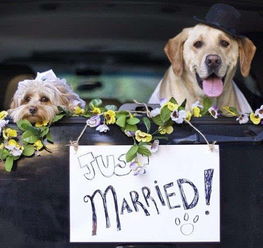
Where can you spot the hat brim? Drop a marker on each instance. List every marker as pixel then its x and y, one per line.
pixel 234 35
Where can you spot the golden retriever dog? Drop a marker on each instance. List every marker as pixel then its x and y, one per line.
pixel 204 60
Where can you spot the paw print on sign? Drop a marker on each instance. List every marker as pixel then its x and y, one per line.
pixel 186 227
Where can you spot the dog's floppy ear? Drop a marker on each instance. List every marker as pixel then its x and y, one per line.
pixel 246 53
pixel 174 51
pixel 14 102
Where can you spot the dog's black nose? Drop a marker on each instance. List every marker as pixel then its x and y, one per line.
pixel 33 110
pixel 213 61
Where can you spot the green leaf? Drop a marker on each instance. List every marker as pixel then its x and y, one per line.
pixel 131 128
pixel 132 153
pixel 120 113
pixel 9 163
pixel 49 137
pixel 23 125
pixel 95 103
pixel 207 103
pixel 165 114
pixel 144 151
pixel 58 117
pixel 172 100
pixel 147 123
pixel 44 131
pixel 133 121
pixel 29 137
pixel 121 121
pixel 111 107
pixel 182 106
pixel 29 150
pixel 234 110
pixel 3 154
pixel 157 120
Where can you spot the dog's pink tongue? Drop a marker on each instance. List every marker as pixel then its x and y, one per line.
pixel 213 87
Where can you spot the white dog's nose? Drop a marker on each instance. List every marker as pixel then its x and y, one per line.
pixel 33 110
pixel 213 61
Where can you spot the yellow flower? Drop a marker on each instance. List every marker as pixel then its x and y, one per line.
pixel 1 146
pixel 172 106
pixel 9 133
pixel 41 124
pixel 110 117
pixel 78 110
pixel 255 118
pixel 38 145
pixel 142 136
pixel 96 111
pixel 196 112
pixel 188 116
pixel 14 143
pixel 3 115
pixel 165 130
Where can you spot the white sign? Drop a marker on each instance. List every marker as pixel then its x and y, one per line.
pixel 177 200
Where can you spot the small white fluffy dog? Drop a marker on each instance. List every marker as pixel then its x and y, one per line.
pixel 37 100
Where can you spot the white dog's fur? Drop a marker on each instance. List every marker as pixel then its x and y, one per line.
pixel 180 81
pixel 38 100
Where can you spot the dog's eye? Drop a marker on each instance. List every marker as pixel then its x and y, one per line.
pixel 44 99
pixel 198 44
pixel 224 43
pixel 27 99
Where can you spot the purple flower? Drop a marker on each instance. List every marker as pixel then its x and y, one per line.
pixel 243 119
pixel 102 128
pixel 259 112
pixel 137 168
pixel 129 133
pixel 93 121
pixel 155 146
pixel 3 123
pixel 178 116
pixel 214 111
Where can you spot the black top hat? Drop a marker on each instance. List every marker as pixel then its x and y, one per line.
pixel 224 17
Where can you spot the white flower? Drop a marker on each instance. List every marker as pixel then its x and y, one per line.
pixel 15 151
pixel 155 112
pixel 163 101
pixel 214 111
pixel 129 133
pixel 197 104
pixel 155 146
pixel 137 168
pixel 3 123
pixel 102 128
pixel 93 121
pixel 259 112
pixel 243 119
pixel 178 116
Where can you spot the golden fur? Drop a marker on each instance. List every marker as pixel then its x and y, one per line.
pixel 186 60
pixel 43 97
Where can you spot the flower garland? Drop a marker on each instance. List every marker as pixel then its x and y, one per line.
pixel 28 140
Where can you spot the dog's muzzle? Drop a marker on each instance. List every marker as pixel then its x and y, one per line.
pixel 33 110
pixel 212 85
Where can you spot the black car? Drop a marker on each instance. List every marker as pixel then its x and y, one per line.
pixel 111 50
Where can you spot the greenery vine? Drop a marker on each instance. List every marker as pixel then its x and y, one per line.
pixel 27 140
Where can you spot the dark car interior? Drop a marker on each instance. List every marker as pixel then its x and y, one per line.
pixel 108 49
